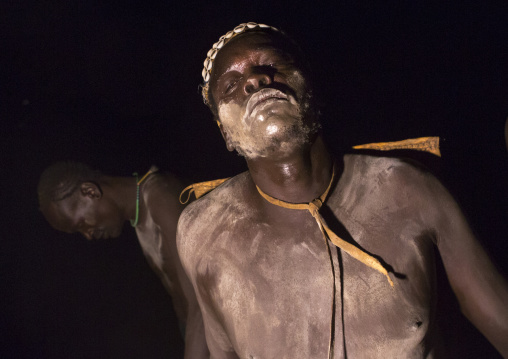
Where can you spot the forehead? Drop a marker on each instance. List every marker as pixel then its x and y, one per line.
pixel 252 46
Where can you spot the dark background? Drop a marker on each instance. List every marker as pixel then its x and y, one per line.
pixel 115 84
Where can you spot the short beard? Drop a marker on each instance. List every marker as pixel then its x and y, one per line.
pixel 286 136
pixel 296 136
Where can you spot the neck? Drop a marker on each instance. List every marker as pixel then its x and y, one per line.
pixel 301 177
pixel 122 191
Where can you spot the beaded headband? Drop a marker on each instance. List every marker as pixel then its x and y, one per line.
pixel 223 40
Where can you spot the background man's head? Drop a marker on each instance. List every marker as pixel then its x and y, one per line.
pixel 72 200
pixel 258 87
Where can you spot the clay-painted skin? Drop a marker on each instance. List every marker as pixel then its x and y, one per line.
pixel 262 273
pixel 259 130
pixel 264 280
pixel 277 118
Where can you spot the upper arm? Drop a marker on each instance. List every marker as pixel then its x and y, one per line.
pixel 194 247
pixel 164 204
pixel 184 244
pixel 481 290
pixel 166 210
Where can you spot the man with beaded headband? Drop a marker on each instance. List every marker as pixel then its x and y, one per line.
pixel 75 198
pixel 306 256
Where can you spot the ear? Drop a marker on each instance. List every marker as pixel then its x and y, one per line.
pixel 91 190
pixel 225 136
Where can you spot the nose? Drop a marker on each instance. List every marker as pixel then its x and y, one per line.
pixel 256 80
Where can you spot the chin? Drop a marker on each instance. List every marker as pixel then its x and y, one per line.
pixel 274 133
pixel 275 148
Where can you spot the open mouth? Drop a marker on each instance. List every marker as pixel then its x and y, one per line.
pixel 264 96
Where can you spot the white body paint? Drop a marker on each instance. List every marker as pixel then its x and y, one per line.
pixel 265 286
pixel 269 121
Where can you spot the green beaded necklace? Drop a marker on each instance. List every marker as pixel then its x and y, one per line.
pixel 134 222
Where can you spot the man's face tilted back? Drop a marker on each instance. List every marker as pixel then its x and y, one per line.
pixel 261 96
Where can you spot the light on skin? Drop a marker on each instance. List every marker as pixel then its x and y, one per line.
pixel 394 193
pixel 262 99
pixel 266 121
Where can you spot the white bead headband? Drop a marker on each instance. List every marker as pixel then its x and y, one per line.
pixel 223 40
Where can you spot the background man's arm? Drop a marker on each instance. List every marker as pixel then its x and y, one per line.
pixel 166 210
pixel 480 288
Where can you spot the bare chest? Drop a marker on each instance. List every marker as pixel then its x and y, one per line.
pixel 273 285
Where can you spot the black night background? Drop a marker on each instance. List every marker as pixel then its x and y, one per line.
pixel 115 85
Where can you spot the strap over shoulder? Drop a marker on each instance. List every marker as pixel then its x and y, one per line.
pixel 426 144
pixel 201 188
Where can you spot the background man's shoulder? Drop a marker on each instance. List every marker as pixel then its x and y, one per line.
pixel 162 184
pixel 160 193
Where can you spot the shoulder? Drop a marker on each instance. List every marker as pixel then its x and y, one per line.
pixel 162 184
pixel 388 171
pixel 398 188
pixel 383 165
pixel 392 180
pixel 201 220
pixel 212 207
pixel 160 193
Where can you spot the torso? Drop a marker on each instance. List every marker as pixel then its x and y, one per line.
pixel 264 277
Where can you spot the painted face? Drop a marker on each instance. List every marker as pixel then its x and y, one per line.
pixel 262 97
pixel 93 218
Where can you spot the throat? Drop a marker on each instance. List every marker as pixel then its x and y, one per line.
pixel 298 179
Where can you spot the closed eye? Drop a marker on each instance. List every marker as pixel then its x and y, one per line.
pixel 230 87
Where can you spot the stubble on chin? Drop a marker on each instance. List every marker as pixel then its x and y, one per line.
pixel 275 137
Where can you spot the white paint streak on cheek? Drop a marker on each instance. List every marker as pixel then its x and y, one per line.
pixel 296 80
pixel 232 117
pixel 231 114
pixel 273 126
